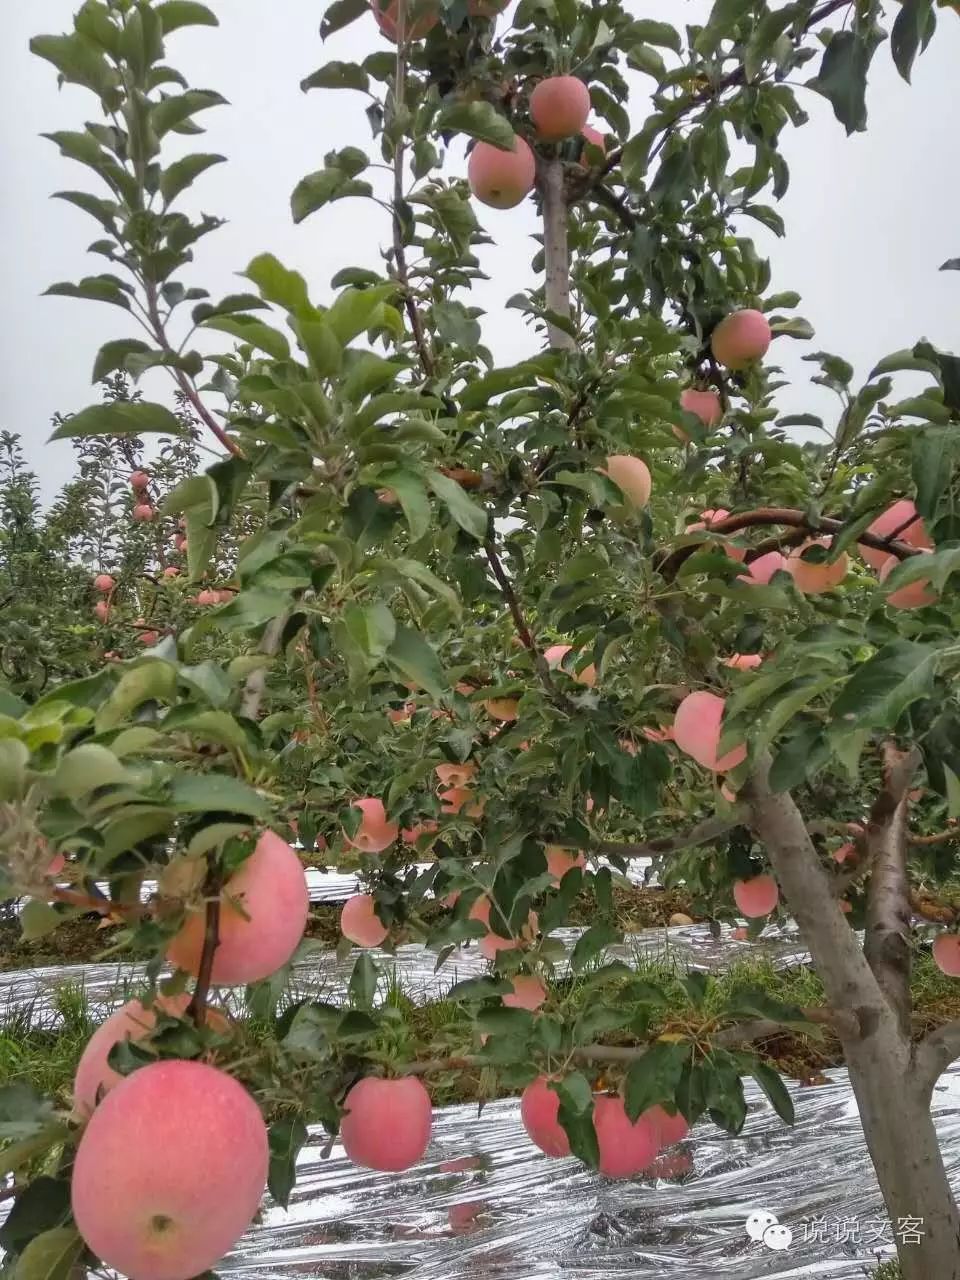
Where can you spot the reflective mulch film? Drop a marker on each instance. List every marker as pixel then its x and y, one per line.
pixel 486 1203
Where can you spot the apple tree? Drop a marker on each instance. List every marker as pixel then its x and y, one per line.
pixel 517 623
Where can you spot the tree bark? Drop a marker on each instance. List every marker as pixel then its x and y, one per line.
pixel 902 1141
pixel 892 1095
pixel 556 254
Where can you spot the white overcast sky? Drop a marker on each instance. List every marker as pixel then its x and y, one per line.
pixel 869 218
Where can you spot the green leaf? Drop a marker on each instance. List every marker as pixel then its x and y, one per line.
pixel 285 1137
pixel 23 1113
pixel 37 919
pixel 754 1002
pixel 372 627
pixel 86 768
pixel 912 28
pixel 14 758
pixel 412 495
pixel 112 355
pixel 78 60
pixel 121 418
pixel 772 1085
pixel 150 681
pixel 592 943
pixel 843 74
pixel 456 326
pixel 102 288
pixel 337 75
pixel 879 691
pixel 254 332
pixel 725 15
pixel 171 113
pixel 362 988
pixel 654 1077
pixel 899 361
pixel 184 13
pixel 279 284
pixel 317 189
pixel 417 661
pixel 951 264
pixel 357 310
pixel 215 792
pixel 932 457
pixel 471 518
pixel 340 13
pixel 367 373
pixel 181 174
pixel 651 32
pixel 50 1256
pixel 479 120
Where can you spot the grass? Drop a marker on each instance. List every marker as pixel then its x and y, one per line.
pixel 45 1049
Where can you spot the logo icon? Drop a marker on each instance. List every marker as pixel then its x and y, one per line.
pixel 763 1228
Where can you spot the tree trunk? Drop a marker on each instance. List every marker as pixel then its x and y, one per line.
pixel 903 1146
pixel 892 1094
pixel 555 252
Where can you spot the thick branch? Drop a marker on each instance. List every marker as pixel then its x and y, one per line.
pixel 887 937
pixel 786 517
pixel 741 1033
pixel 848 980
pixel 556 255
pixel 934 1054
pixel 710 829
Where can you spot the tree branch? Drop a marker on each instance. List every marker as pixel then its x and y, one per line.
pixel 741 1033
pixel 197 1008
pixel 710 829
pixel 556 255
pixel 887 936
pixel 523 631
pixel 934 1054
pixel 399 253
pixel 787 517
pixel 848 980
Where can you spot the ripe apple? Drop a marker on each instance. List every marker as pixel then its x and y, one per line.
pixel 375 832
pixel 104 583
pixel 815 579
pixel 539 1106
pixel 697 730
pixel 559 107
pixel 625 1148
pixel 761 570
pixel 528 993
pixel 902 515
pixel 360 923
pixel 456 775
pixel 170 1171
pixel 706 405
pixel 756 897
pixel 386 1123
pixel 631 476
pixel 139 481
pixel 741 338
pixel 560 861
pixel 501 179
pixel 915 595
pixel 271 889
pixel 130 1022
pixel 143 511
pixel 946 954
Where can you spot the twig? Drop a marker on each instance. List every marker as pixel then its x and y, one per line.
pixel 197 1008
pixel 616 204
pixel 710 829
pixel 523 631
pixel 399 254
